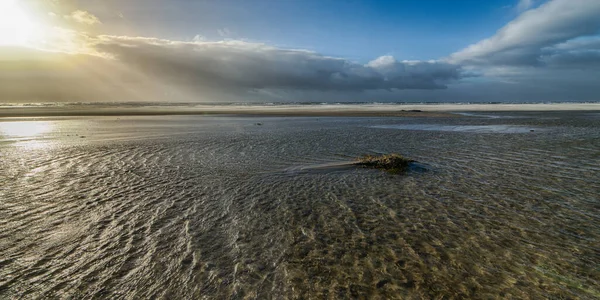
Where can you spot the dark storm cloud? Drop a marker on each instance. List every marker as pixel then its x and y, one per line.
pixel 578 54
pixel 243 65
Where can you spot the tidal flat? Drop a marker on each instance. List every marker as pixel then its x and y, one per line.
pixel 199 207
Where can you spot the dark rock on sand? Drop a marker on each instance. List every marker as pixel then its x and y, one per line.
pixel 392 163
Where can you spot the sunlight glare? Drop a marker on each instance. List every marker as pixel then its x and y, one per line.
pixel 16 27
pixel 25 129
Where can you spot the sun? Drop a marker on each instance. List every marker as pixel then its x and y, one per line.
pixel 16 27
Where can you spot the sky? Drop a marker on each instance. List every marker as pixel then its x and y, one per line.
pixel 299 51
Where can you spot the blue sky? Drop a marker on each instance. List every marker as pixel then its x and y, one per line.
pixel 367 29
pixel 292 50
pixel 360 30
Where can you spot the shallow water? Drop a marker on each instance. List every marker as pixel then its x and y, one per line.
pixel 464 128
pixel 221 207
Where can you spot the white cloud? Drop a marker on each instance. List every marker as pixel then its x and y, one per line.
pixel 225 32
pixel 83 17
pixel 521 42
pixel 382 62
pixel 198 38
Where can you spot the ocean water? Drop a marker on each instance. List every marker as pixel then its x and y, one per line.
pixel 199 207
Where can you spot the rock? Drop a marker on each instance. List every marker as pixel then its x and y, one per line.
pixel 392 163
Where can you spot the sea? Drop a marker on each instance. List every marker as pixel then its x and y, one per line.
pixel 497 205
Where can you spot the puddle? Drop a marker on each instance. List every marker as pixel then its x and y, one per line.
pixel 477 115
pixel 464 128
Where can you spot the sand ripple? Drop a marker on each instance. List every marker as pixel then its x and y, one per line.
pixel 221 208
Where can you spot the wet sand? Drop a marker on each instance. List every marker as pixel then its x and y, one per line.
pixel 218 207
pixel 334 110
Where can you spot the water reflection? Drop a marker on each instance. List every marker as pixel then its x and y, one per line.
pixel 214 207
pixel 463 128
pixel 27 134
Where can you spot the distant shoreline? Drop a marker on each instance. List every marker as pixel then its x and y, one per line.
pixel 334 110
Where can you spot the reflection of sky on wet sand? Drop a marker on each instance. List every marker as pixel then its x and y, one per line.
pixel 463 128
pixel 25 129
pixel 243 208
pixel 26 134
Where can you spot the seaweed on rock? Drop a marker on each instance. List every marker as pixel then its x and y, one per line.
pixel 391 163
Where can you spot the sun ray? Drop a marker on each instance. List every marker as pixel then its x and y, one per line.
pixel 16 26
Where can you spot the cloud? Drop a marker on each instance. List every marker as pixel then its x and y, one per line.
pixel 225 32
pixel 83 17
pixel 29 75
pixel 551 52
pixel 245 65
pixel 113 68
pixel 32 75
pixel 581 54
pixel 522 42
pixel 580 44
pixel 524 5
pixel 198 38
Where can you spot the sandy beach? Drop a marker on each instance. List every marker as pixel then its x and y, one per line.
pixel 217 206
pixel 349 110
